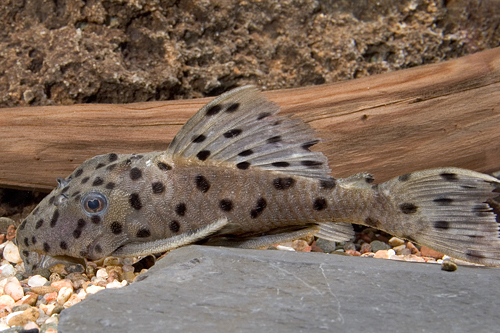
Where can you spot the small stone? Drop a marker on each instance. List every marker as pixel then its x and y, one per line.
pixel 315 248
pixel 301 246
pixel 448 265
pixel 57 309
pixel 11 253
pixel 427 252
pixel 64 294
pixel 31 326
pixel 72 301
pixel 28 96
pixel 365 247
pixel 62 283
pixel 59 269
pixel 353 253
pixel 349 246
pixel 378 245
pixel 44 290
pixel 54 277
pixel 129 276
pixel 115 284
pixel 326 245
pixel 21 307
pixel 7 270
pixel 30 298
pixel 49 328
pixel 15 319
pixel 366 238
pixel 14 289
pixel 77 279
pixel 412 248
pixel 395 241
pixel 47 308
pixel 93 289
pixel 6 300
pixel 31 314
pixel 11 232
pixel 384 254
pixel 128 268
pixel 111 261
pixel 399 248
pixel 102 273
pixel 37 281
pixel 49 297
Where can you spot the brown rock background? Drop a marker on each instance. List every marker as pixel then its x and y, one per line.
pixel 55 52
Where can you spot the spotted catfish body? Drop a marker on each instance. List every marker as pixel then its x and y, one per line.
pixel 237 174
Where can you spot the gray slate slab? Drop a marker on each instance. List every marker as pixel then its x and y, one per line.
pixel 209 289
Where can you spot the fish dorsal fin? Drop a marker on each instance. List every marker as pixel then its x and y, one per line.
pixel 241 128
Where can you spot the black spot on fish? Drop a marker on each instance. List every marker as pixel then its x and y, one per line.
pixel 232 133
pixel 98 181
pixel 474 254
pixel 180 209
pixel 442 225
pixel 158 187
pixel 51 200
pixel 25 253
pixel 443 201
pixel 23 225
pixel 311 163
pixel 202 183
pixel 408 208
pixel 263 115
pixel 451 177
pixel 274 139
pixel 98 248
pixel 371 222
pixel 404 178
pixel 259 208
pixel 226 205
pixel 75 194
pixel 319 204
pixel 212 111
pixel 63 245
pixel 39 223
pixel 243 165
pixel 247 152
pixel 135 173
pixel 26 241
pixel 64 190
pixel 309 144
pixel 46 247
pixel 482 210
pixel 203 155
pixel 283 183
pixel 77 233
pixel 198 139
pixel 95 219
pixel 112 157
pixel 100 165
pixel 369 179
pixel 78 173
pixel 233 107
pixel 280 164
pixel 135 201
pixel 84 253
pixel 328 184
pixel 163 166
pixel 81 224
pixel 111 167
pixel 54 218
pixel 174 226
pixel 84 180
pixel 110 185
pixel 143 233
pixel 116 227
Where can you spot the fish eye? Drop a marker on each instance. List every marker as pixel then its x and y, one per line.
pixel 94 203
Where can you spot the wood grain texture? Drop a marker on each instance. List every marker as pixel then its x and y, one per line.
pixel 445 114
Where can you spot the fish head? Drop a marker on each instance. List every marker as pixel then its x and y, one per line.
pixel 90 213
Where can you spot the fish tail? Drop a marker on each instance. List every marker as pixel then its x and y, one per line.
pixel 446 209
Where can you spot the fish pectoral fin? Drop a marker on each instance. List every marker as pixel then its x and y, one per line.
pixel 264 240
pixel 335 232
pixel 163 245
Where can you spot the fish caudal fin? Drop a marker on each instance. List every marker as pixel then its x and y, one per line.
pixel 447 210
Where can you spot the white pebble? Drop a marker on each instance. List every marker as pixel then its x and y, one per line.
pixel 115 284
pixel 82 294
pixel 102 273
pixel 63 295
pixel 6 300
pixel 93 289
pixel 11 252
pixel 13 314
pixel 285 248
pixel 52 319
pixel 14 290
pixel 7 270
pixel 37 281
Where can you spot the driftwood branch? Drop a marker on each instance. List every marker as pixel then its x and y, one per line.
pixel 445 114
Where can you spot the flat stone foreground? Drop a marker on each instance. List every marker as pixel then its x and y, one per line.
pixel 211 289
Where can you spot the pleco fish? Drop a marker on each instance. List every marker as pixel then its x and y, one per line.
pixel 238 175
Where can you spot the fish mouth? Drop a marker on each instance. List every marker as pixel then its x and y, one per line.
pixel 42 263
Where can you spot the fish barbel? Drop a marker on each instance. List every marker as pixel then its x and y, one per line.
pixel 237 174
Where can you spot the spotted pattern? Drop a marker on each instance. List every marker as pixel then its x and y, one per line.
pixel 63 245
pixel 38 224
pixel 263 115
pixel 232 133
pixel 328 184
pixel 442 225
pixel 33 240
pixel 100 165
pixel 78 173
pixel 280 164
pixel 174 226
pixel 309 163
pixel 243 165
pixel 135 173
pixel 143 233
pixel 198 139
pixel 180 209
pixel 245 153
pixel 111 167
pixel 226 205
pixel 371 222
pixel 98 248
pixel 98 181
pixel 283 183
pixel 95 219
pixel 309 144
pixel 443 201
pixel 158 187
pixel 202 183
pixel 274 139
pixel 46 247
pixel 84 180
pixel 23 225
pixel 203 155
pixel 233 107
pixel 163 166
pixel 408 208
pixel 116 228
pixel 404 178
pixel 79 227
pixel 259 208
pixel 55 217
pixel 110 185
pixel 112 157
pixel 448 176
pixel 135 201
pixel 320 203
pixel 212 111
